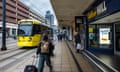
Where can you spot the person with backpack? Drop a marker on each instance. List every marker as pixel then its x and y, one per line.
pixel 44 51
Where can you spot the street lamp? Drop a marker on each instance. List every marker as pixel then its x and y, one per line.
pixel 4 25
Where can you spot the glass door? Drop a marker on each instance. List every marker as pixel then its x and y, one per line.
pixel 117 37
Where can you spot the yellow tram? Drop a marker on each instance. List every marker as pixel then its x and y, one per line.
pixel 30 32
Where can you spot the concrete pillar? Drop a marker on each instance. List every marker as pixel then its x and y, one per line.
pixel 70 33
pixel 10 31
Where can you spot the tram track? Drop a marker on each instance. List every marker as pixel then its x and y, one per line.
pixel 9 55
pixel 14 59
pixel 9 42
pixel 11 52
pixel 11 49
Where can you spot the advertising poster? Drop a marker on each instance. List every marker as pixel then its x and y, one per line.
pixel 104 35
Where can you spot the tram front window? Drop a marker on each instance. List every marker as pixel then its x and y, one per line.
pixel 25 30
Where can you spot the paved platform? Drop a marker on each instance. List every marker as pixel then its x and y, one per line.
pixel 62 61
pixel 83 62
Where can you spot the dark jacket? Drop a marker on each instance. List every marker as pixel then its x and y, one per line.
pixel 77 38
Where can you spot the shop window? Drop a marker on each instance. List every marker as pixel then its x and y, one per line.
pixel 13 32
pixel 100 36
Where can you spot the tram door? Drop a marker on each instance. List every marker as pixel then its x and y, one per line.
pixel 117 30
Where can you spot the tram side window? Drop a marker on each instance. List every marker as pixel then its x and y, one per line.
pixel 36 29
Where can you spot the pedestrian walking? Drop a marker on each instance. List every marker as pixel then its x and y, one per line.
pixel 44 53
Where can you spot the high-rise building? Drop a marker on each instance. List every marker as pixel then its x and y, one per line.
pixel 49 17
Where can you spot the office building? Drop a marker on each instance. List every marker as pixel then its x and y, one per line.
pixel 49 17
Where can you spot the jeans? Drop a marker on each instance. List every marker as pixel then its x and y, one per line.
pixel 42 59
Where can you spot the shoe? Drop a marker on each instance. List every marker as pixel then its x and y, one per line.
pixel 51 69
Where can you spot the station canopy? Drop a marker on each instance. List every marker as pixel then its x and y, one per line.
pixel 66 10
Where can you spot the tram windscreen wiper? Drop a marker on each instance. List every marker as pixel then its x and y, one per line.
pixel 21 32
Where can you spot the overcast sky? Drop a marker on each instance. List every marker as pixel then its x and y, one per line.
pixel 40 6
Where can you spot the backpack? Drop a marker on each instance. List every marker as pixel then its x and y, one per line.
pixel 45 47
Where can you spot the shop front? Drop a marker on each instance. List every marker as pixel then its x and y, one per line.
pixel 100 38
pixel 80 28
pixel 104 26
